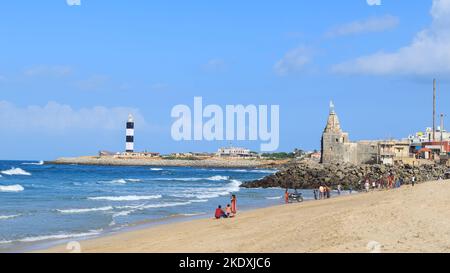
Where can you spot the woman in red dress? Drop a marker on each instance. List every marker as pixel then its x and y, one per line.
pixel 233 204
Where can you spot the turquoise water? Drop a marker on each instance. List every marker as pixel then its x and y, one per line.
pixel 40 204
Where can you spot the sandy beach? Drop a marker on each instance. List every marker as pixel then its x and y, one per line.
pixel 404 220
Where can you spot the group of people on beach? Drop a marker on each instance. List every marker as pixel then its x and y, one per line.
pixel 230 210
pixel 323 192
pixel 385 182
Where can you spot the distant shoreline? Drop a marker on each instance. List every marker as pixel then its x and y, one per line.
pixel 160 162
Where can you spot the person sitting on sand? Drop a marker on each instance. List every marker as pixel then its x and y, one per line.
pixel 220 213
pixel 228 210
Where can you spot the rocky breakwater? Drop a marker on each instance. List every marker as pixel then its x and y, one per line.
pixel 309 175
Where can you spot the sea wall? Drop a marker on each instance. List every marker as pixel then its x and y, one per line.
pixel 309 175
pixel 203 163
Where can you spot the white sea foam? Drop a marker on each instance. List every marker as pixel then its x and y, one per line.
pixel 16 171
pixel 133 180
pixel 34 163
pixel 12 188
pixel 213 192
pixel 156 169
pixel 199 200
pixel 126 198
pixel 75 211
pixel 59 236
pixel 123 213
pixel 218 178
pixel 123 181
pixel 5 217
pixel 274 198
pixel 245 170
pixel 212 178
pixel 150 206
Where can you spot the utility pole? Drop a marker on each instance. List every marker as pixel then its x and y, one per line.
pixel 434 110
pixel 442 133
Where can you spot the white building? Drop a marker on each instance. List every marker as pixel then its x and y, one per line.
pixel 234 152
pixel 427 136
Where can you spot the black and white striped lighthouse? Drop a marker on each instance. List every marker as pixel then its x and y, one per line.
pixel 129 147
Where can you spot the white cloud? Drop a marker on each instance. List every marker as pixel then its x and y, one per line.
pixel 374 24
pixel 73 2
pixel 55 117
pixel 48 71
pixel 293 61
pixel 94 82
pixel 374 2
pixel 427 55
pixel 215 64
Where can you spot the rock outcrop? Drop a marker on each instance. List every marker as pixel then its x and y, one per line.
pixel 309 175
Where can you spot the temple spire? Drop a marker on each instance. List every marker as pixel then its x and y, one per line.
pixel 332 108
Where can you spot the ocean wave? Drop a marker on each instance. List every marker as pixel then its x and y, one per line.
pixel 34 163
pixel 211 178
pixel 156 169
pixel 12 188
pixel 244 170
pixel 218 178
pixel 54 237
pixel 126 198
pixel 16 171
pixel 122 181
pixel 150 206
pixel 274 198
pixel 5 217
pixel 264 171
pixel 122 213
pixel 199 200
pixel 213 192
pixel 76 211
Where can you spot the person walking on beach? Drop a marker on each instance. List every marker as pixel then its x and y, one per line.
pixel 315 194
pixel 367 185
pixel 328 191
pixel 286 196
pixel 322 191
pixel 413 181
pixel 350 189
pixel 339 188
pixel 233 204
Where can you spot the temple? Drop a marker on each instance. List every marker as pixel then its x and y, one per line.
pixel 337 148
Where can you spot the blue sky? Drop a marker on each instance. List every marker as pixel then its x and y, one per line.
pixel 69 75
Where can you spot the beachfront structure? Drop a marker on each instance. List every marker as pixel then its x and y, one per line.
pixel 137 155
pixel 129 144
pixel 336 146
pixel 427 136
pixel 233 152
pixel 393 151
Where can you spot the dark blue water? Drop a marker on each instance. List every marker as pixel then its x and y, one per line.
pixel 44 203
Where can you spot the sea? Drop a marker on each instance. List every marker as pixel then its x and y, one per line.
pixel 43 204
